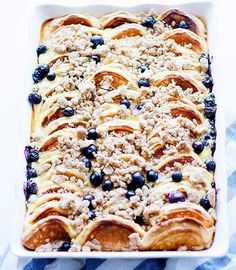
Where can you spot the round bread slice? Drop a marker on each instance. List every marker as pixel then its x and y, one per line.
pixel 111 231
pixel 123 31
pixel 176 233
pixel 118 18
pixel 52 228
pixel 181 79
pixel 183 37
pixel 173 17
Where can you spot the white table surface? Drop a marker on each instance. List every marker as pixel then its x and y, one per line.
pixel 13 58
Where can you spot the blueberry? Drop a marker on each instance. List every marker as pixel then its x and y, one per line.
pixel 144 83
pixel 176 196
pixel 89 198
pixel 31 155
pixel 125 102
pixel 41 49
pixel 204 202
pixel 90 151
pixel 213 184
pixel 130 193
pixel 40 72
pixel 210 164
pixel 92 134
pixel 152 176
pixel 183 24
pixel 210 101
pixel 51 76
pixel 31 173
pixel 95 58
pixel 213 133
pixel 143 68
pixel 65 246
pixel 198 146
pixel 34 98
pixel 87 163
pixel 96 178
pixel 32 188
pixel 137 180
pixel 177 177
pixel 107 185
pixel 208 82
pixel 204 56
pixel 210 112
pixel 68 111
pixel 91 214
pixel 139 220
pixel 96 40
pixel 149 21
pixel 139 107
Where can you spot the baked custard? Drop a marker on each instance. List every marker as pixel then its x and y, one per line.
pixel 123 135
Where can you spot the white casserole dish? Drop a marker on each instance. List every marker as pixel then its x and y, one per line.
pixel 41 12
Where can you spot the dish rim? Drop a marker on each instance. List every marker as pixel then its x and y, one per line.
pixel 223 242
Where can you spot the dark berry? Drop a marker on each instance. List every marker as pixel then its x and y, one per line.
pixel 40 72
pixel 152 176
pixel 177 176
pixel 31 173
pixel 208 82
pixel 198 146
pixel 139 220
pixel 65 246
pixel 204 56
pixel 204 202
pixel 125 102
pixel 130 193
pixel 68 111
pixel 183 24
pixel 90 151
pixel 176 196
pixel 32 155
pixel 41 49
pixel 51 76
pixel 34 98
pixel 210 101
pixel 87 163
pixel 91 215
pixel 107 185
pixel 137 180
pixel 144 83
pixel 149 21
pixel 211 165
pixel 143 68
pixel 96 178
pixel 96 40
pixel 89 198
pixel 139 107
pixel 213 184
pixel 210 112
pixel 95 58
pixel 212 133
pixel 92 134
pixel 32 188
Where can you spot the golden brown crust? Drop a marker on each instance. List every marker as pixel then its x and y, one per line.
pixel 112 232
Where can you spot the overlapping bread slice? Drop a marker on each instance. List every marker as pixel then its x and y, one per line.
pixel 173 17
pixel 118 18
pixel 180 225
pixel 47 219
pixel 111 231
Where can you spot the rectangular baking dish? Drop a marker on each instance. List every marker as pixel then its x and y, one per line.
pixel 207 10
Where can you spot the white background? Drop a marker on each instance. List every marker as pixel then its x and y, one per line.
pixel 13 57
